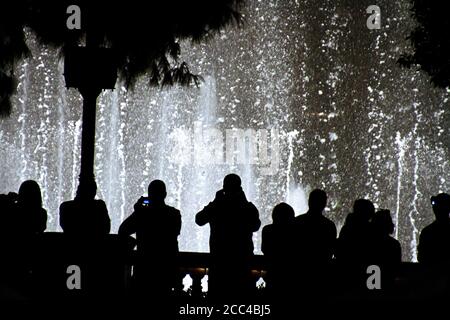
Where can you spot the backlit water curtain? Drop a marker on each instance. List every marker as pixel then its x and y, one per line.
pixel 302 96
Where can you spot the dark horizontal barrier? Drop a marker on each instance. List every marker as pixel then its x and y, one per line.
pixel 43 267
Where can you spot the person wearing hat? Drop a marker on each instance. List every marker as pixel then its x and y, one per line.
pixel 434 242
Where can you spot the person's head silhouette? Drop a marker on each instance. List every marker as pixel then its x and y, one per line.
pixel 283 214
pixel 441 206
pixel 232 184
pixel 30 194
pixel 382 223
pixel 86 190
pixel 317 201
pixel 157 191
pixel 363 210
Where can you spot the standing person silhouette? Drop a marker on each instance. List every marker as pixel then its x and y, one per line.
pixel 25 220
pixel 384 250
pixel 315 241
pixel 278 247
pixel 85 216
pixel 434 242
pixel 353 246
pixel 157 227
pixel 29 214
pixel 86 224
pixel 434 247
pixel 232 221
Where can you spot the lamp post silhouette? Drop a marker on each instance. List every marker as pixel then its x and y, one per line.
pixel 143 37
pixel 90 70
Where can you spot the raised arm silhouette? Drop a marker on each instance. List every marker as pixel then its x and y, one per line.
pixel 232 221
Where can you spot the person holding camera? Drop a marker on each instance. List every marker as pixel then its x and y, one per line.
pixel 232 221
pixel 157 227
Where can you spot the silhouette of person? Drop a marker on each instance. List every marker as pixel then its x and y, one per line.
pixel 353 245
pixel 28 210
pixel 85 216
pixel 7 205
pixel 232 221
pixel 355 234
pixel 385 251
pixel 277 246
pixel 315 242
pixel 434 242
pixel 9 225
pixel 26 219
pixel 157 227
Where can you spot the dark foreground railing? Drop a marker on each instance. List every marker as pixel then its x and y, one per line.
pixel 105 265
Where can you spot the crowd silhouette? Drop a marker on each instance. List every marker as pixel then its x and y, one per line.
pixel 307 243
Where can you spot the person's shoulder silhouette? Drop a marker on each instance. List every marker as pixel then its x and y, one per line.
pixel 353 247
pixel 277 237
pixel 385 249
pixel 278 248
pixel 23 221
pixel 27 211
pixel 357 223
pixel 316 233
pixel 7 205
pixel 156 224
pixel 85 215
pixel 355 235
pixel 315 237
pixel 232 218
pixel 434 242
